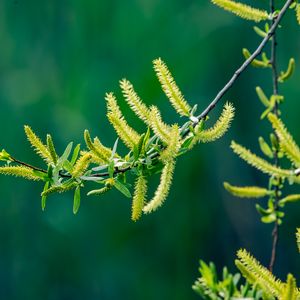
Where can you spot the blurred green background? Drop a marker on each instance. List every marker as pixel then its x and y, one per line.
pixel 57 60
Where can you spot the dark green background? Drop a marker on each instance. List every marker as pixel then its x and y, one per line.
pixel 57 60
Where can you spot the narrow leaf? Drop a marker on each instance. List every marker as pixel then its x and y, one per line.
pixel 44 197
pixel 289 72
pixel 51 149
pixel 121 187
pixel 75 154
pixel 76 203
pixel 262 97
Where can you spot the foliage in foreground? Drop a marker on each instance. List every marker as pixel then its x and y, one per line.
pixel 259 282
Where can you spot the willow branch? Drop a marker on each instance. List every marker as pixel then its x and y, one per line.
pixel 27 165
pixel 275 232
pixel 246 64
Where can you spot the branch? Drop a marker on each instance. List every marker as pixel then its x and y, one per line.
pixel 27 165
pixel 245 65
pixel 275 232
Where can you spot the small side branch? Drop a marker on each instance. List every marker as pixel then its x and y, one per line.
pixel 273 62
pixel 27 165
pixel 245 65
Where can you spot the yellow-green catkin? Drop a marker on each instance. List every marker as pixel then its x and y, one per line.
pixel 220 127
pixel 37 144
pixel 128 135
pixel 161 129
pixel 101 152
pixel 258 162
pixel 170 88
pixel 81 165
pixel 286 141
pixel 134 101
pixel 173 146
pixel 246 191
pixel 19 171
pixel 138 201
pixel 256 273
pixel 298 12
pixel 290 291
pixel 60 188
pixel 163 188
pixel 242 10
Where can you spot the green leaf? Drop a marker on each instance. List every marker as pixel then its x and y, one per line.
pixel 262 96
pixel 50 172
pixel 137 149
pixel 122 188
pixel 186 144
pixel 92 178
pixel 262 211
pixel 289 72
pixel 269 218
pixel 68 166
pixel 111 169
pixel 51 148
pixel 265 148
pixel 298 238
pixel 44 197
pixel 114 150
pixel 274 141
pixel 255 62
pixel 75 154
pixel 146 140
pixel 5 156
pixel 66 154
pixel 260 32
pixel 76 203
pixel 42 175
pixel 289 198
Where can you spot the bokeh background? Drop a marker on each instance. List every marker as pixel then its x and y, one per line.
pixel 57 60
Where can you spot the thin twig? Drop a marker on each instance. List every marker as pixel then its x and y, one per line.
pixel 244 66
pixel 275 232
pixel 27 165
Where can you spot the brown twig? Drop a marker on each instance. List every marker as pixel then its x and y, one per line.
pixel 27 165
pixel 245 65
pixel 273 62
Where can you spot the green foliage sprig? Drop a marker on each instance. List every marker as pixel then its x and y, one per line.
pixel 259 283
pixel 154 151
